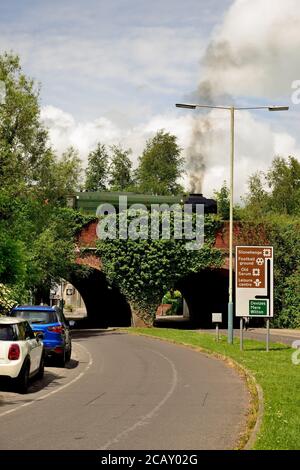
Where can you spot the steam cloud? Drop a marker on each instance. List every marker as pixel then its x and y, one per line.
pixel 253 53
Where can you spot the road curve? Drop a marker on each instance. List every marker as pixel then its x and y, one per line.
pixel 131 393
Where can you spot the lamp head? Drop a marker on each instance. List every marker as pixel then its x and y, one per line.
pixel 186 106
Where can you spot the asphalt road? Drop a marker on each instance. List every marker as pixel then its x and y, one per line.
pixel 128 392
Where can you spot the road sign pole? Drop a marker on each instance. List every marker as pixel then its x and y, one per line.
pixel 230 300
pixel 241 334
pixel 217 319
pixel 217 332
pixel 268 335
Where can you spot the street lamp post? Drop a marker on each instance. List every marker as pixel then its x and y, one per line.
pixel 232 110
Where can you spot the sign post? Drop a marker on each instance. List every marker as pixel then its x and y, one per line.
pixel 268 335
pixel 217 318
pixel 241 334
pixel 254 284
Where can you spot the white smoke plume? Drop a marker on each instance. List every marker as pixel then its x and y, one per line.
pixel 254 53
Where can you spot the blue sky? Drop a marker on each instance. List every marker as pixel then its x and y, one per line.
pixel 111 71
pixel 110 57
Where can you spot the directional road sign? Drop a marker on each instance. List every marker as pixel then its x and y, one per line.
pixel 254 281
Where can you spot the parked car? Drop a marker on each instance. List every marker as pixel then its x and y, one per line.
pixel 21 352
pixel 52 323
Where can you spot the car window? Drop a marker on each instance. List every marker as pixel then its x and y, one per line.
pixel 28 331
pixel 8 333
pixel 22 332
pixel 36 316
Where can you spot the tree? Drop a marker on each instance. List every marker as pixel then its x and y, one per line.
pixel 97 169
pixel 7 300
pixel 290 314
pixel 34 245
pixel 23 139
pixel 58 177
pixel 276 191
pixel 283 179
pixel 223 202
pixel 271 216
pixel 160 165
pixel 120 169
pixel 12 259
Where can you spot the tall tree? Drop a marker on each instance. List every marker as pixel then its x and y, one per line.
pixel 160 165
pixel 97 169
pixel 34 248
pixel 277 190
pixel 58 177
pixel 223 202
pixel 23 139
pixel 120 169
pixel 283 179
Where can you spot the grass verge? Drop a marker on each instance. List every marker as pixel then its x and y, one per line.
pixel 278 377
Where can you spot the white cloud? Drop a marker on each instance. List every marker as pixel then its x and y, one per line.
pixel 255 52
pixel 124 73
pixel 256 143
pixel 155 58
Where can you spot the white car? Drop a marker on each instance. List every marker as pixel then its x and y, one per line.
pixel 21 352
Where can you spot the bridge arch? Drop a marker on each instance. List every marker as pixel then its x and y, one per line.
pixel 105 305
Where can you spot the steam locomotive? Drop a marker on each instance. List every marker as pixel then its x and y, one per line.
pixel 88 201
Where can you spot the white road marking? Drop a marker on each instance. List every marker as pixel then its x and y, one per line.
pixel 59 389
pixel 149 415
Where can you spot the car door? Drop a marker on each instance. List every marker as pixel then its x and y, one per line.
pixel 35 346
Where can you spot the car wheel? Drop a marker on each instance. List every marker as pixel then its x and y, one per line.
pixel 40 373
pixel 68 354
pixel 61 359
pixel 23 379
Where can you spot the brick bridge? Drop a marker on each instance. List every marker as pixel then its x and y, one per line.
pixel 107 307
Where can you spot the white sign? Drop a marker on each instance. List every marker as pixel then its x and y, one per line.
pixel 217 317
pixel 254 281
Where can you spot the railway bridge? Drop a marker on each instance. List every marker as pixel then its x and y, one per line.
pixel 204 292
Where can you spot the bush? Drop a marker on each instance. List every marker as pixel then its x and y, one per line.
pixel 290 313
pixel 6 299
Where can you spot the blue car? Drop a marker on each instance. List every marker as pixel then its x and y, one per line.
pixel 49 321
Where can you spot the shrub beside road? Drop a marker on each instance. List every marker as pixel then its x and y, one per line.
pixel 278 377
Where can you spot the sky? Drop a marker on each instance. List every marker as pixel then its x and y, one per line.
pixel 112 71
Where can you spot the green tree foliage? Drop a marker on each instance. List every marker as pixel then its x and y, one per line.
pixel 284 235
pixel 277 190
pixel 272 215
pixel 160 165
pixel 23 140
pixel 7 299
pixel 284 180
pixel 97 169
pixel 290 314
pixel 12 259
pixel 34 247
pixel 59 176
pixel 144 269
pixel 222 197
pixel 120 169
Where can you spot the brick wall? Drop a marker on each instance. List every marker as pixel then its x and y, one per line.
pixel 88 235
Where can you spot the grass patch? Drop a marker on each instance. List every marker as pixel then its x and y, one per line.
pixel 274 371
